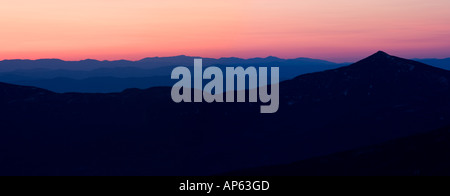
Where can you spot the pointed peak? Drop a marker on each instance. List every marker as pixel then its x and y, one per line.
pixel 381 54
pixel 381 61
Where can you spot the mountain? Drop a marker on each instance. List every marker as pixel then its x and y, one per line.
pixel 158 62
pixel 55 64
pixel 143 132
pixel 419 155
pixel 97 84
pixel 441 63
pixel 115 76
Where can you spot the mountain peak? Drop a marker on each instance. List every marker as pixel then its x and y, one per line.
pixel 272 58
pixel 380 58
pixel 380 55
pixel 382 63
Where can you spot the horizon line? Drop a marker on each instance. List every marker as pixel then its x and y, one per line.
pixel 156 57
pixel 217 58
pixel 231 57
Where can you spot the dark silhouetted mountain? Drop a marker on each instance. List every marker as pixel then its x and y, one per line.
pixel 142 132
pixel 419 155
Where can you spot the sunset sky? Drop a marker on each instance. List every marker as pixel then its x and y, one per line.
pixel 336 30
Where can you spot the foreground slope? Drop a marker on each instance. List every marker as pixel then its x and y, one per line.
pixel 419 155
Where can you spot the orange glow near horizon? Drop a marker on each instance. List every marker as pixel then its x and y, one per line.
pixel 343 30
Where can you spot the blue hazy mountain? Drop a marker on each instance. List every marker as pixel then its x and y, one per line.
pixel 441 63
pixel 98 84
pixel 143 132
pixel 92 76
pixel 115 76
pixel 155 62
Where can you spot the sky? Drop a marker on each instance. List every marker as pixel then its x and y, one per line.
pixel 335 30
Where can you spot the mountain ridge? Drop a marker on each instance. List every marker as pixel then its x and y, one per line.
pixel 76 76
pixel 320 114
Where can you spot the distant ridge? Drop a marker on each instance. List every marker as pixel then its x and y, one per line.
pixel 115 76
pixel 147 63
pixel 441 63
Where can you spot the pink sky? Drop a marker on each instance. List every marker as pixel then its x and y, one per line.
pixel 343 30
